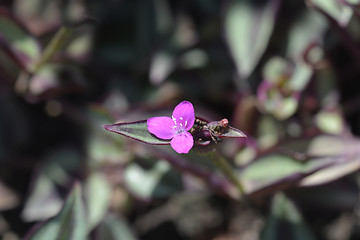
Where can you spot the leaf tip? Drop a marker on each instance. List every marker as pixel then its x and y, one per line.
pixel 107 127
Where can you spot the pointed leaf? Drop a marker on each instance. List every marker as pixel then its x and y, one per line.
pixel 232 132
pixel 80 45
pixel 103 147
pixel 136 130
pixel 199 165
pixel 330 122
pixel 342 152
pixel 52 80
pixel 220 129
pixel 285 221
pixel 114 228
pixel 157 182
pixel 97 192
pixel 335 9
pixel 69 224
pixel 308 28
pixel 248 27
pixel 24 48
pixel 277 171
pixel 162 65
pixel 44 200
pixel 39 16
pixel 308 162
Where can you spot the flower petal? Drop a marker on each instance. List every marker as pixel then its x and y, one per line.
pixel 162 127
pixel 184 116
pixel 182 143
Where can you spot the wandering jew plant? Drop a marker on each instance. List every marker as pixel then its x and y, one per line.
pixel 182 130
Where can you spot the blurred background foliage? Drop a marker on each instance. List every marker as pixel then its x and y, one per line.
pixel 284 72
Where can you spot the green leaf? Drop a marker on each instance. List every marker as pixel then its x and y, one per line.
pixel 232 132
pixel 248 27
pixel 219 129
pixel 102 147
pixel 114 228
pixel 268 170
pixel 52 80
pixel 194 58
pixel 45 79
pixel 97 192
pixel 283 81
pixel 80 45
pixel 156 181
pixel 353 1
pixel 285 221
pixel 342 152
pixel 44 200
pixel 136 130
pixel 330 122
pixel 277 171
pixel 335 9
pixel 300 77
pixel 39 16
pixel 69 224
pixel 162 64
pixel 308 29
pixel 25 48
pixel 280 106
pixel 307 162
pixel 199 165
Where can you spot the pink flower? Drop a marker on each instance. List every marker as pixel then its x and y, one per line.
pixel 176 127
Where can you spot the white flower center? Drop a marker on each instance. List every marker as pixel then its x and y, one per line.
pixel 181 127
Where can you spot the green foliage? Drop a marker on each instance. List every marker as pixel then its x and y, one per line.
pixel 97 193
pixel 20 43
pixel 248 29
pixel 285 215
pixel 157 181
pixel 283 73
pixel 114 228
pixel 70 223
pixel 136 130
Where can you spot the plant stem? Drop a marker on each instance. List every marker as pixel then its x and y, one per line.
pixel 224 166
pixel 54 45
